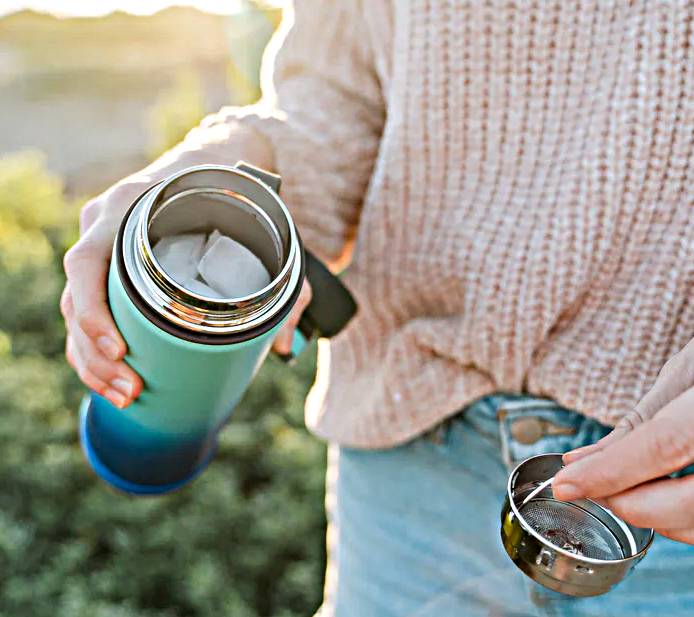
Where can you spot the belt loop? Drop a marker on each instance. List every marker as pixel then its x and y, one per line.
pixel 520 428
pixel 501 415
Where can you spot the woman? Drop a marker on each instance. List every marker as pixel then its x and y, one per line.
pixel 508 185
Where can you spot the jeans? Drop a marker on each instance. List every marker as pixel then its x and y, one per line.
pixel 414 530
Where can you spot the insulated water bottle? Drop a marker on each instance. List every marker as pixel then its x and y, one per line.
pixel 197 355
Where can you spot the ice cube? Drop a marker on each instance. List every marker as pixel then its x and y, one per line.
pixel 232 269
pixel 179 255
pixel 211 239
pixel 199 287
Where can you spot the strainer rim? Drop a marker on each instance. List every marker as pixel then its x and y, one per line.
pixel 528 528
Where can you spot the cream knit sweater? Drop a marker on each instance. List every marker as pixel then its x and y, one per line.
pixel 511 185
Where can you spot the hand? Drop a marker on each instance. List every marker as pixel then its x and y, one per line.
pixel 94 347
pixel 283 341
pixel 627 470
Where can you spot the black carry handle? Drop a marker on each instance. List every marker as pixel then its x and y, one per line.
pixel 332 305
pixel 330 309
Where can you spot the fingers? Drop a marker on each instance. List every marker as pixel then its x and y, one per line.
pixel 86 266
pixel 86 376
pixel 283 342
pixel 579 453
pixel 89 214
pixel 678 535
pixel 651 450
pixel 626 424
pixel 666 504
pixel 94 346
pixel 114 380
pixel 676 376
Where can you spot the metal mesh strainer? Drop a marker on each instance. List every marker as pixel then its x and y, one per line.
pixel 572 528
pixel 577 547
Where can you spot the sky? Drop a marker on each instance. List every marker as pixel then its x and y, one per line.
pixel 101 7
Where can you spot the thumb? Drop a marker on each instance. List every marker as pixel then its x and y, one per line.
pixel 625 425
pixel 283 342
pixel 645 409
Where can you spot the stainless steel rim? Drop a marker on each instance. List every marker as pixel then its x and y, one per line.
pixel 188 309
pixel 528 528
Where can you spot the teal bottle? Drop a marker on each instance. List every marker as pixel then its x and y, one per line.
pixel 197 355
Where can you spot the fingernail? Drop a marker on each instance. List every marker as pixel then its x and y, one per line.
pixel 579 453
pixel 116 398
pixel 109 347
pixel 123 386
pixel 283 346
pixel 566 491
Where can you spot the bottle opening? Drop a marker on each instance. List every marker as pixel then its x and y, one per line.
pixel 205 211
pixel 200 218
pixel 226 202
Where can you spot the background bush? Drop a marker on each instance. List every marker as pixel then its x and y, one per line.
pixel 245 540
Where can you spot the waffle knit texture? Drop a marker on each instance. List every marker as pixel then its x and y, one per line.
pixel 510 184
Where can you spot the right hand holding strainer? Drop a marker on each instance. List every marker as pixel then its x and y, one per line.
pixel 629 469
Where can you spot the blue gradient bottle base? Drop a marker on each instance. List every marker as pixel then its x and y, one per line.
pixel 118 482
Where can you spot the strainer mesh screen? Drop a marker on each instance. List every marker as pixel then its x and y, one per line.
pixel 569 527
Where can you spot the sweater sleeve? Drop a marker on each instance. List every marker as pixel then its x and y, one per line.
pixel 322 115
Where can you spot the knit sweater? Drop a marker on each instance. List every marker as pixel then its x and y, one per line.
pixel 509 184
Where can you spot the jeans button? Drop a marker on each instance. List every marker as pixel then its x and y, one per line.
pixel 527 430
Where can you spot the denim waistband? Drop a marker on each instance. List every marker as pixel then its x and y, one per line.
pixel 526 426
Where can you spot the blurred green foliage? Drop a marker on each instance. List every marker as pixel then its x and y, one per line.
pixel 246 539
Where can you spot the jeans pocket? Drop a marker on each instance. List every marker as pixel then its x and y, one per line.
pixel 532 426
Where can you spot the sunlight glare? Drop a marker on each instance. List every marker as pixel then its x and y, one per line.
pixel 65 8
